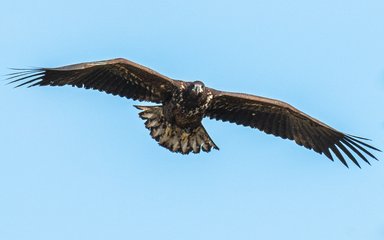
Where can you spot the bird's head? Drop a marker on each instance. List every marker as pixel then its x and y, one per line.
pixel 197 87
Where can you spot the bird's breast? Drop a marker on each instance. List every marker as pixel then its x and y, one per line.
pixel 185 110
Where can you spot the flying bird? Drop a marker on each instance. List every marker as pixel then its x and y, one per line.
pixel 176 122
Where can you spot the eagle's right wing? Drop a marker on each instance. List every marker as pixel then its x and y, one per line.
pixel 282 120
pixel 117 76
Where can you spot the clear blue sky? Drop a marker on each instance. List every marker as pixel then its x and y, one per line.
pixel 77 164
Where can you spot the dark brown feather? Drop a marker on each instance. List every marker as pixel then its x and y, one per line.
pixel 117 76
pixel 128 79
pixel 281 119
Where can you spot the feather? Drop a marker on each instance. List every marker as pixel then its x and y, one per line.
pixel 186 103
pixel 281 119
pixel 110 76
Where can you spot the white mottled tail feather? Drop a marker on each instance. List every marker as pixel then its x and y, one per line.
pixel 172 137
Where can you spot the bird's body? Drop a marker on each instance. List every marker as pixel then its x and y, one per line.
pixel 176 122
pixel 187 106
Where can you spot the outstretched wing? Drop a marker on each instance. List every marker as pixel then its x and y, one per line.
pixel 282 120
pixel 117 76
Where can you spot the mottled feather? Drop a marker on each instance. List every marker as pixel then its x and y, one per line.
pixel 176 123
pixel 281 119
pixel 117 76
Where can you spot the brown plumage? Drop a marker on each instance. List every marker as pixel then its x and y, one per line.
pixel 176 123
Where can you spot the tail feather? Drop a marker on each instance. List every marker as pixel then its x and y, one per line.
pixel 172 137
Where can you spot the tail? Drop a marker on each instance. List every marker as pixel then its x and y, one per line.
pixel 172 137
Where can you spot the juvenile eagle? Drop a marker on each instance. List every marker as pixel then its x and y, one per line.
pixel 176 122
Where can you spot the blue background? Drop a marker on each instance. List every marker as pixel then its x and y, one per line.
pixel 77 164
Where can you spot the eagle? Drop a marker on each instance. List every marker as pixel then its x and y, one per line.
pixel 176 121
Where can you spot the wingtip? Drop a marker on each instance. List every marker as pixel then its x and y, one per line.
pixel 362 138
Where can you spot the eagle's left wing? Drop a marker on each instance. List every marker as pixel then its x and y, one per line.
pixel 116 76
pixel 283 120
